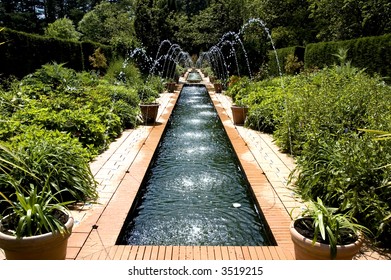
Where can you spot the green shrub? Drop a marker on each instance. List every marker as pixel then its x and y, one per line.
pixel 126 113
pixel 157 83
pixel 239 90
pixel 62 28
pixel 51 78
pixel 124 102
pixel 119 92
pixel 123 71
pixel 55 155
pixel 98 60
pixel 349 173
pixel 333 100
pixel 368 53
pixel 59 98
pixel 147 93
pixel 318 117
pixel 266 100
pixel 17 59
pixel 284 60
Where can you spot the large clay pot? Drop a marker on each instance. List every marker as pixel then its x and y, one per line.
pixel 239 114
pixel 305 250
pixel 171 87
pixel 218 87
pixel 149 112
pixel 48 246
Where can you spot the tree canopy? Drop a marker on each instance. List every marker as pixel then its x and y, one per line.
pixel 62 28
pixel 198 25
pixel 110 23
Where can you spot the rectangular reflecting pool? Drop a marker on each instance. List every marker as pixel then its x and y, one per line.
pixel 195 192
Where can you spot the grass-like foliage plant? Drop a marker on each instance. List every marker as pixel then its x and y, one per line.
pixel 327 225
pixel 32 210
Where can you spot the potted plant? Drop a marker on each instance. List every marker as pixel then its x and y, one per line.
pixel 35 225
pixel 148 105
pixel 218 86
pixel 170 85
pixel 239 112
pixel 239 90
pixel 324 233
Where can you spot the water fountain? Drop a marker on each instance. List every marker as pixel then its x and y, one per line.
pixel 195 192
pixel 262 24
pixel 194 77
pixel 236 39
pixel 216 60
pixel 174 56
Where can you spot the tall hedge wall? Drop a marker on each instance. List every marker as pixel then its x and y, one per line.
pixel 372 53
pixel 282 55
pixel 23 53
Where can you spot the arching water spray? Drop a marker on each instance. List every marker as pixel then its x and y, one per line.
pixel 262 24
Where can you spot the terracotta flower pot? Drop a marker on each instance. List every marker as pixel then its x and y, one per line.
pixel 171 87
pixel 304 250
pixel 239 114
pixel 149 112
pixel 218 87
pixel 48 246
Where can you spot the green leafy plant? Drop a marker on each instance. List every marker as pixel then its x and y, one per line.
pixel 32 210
pixel 1 29
pixel 327 225
pixel 293 65
pixel 53 157
pixel 62 28
pixel 239 90
pixel 98 60
pixel 147 93
pixel 323 118
pixel 124 72
pixel 156 83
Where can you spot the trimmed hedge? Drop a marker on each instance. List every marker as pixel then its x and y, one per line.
pixel 23 53
pixel 371 53
pixel 282 58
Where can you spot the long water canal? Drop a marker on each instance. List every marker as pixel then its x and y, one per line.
pixel 195 192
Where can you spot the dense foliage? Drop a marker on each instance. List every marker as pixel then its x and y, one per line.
pixel 371 53
pixel 293 22
pixel 319 117
pixel 33 16
pixel 62 28
pixel 56 114
pixel 22 53
pixel 199 25
pixel 110 24
pixel 56 120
